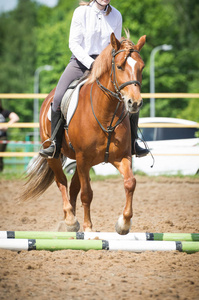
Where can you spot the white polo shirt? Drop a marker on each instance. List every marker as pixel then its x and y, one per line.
pixel 90 31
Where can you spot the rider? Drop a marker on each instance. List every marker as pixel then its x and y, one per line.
pixel 91 27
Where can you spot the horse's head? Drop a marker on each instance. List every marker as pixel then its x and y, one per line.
pixel 127 66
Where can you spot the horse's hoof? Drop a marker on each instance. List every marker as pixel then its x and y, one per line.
pixel 73 228
pixel 63 227
pixel 120 231
pixel 121 227
pixel 87 229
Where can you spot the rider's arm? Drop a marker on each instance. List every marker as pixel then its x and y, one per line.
pixel 76 38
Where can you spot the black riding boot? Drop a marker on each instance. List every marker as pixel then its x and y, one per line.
pixel 135 148
pixel 57 131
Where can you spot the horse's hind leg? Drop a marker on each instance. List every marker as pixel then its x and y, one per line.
pixel 69 211
pixel 124 222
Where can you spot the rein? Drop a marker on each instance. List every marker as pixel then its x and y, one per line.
pixel 110 128
pixel 116 95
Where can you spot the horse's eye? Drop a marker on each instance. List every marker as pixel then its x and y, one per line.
pixel 119 67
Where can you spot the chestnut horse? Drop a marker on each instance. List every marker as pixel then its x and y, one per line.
pixel 99 131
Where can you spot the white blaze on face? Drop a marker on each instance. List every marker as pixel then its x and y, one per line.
pixel 132 63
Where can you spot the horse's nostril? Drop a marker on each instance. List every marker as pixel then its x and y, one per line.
pixel 129 101
pixel 140 104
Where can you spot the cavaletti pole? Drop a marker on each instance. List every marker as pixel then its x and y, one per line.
pixel 37 235
pixel 112 245
pixel 51 244
pixel 175 237
pixel 137 236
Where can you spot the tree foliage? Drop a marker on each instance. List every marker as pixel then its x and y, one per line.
pixel 34 35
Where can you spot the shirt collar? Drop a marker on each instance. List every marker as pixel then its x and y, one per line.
pixel 97 10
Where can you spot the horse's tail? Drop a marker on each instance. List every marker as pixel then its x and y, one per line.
pixel 40 177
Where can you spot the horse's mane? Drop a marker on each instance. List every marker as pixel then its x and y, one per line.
pixel 103 62
pixel 101 65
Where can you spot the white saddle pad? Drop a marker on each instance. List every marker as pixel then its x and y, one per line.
pixel 72 105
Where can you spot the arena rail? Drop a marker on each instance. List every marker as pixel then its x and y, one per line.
pixel 145 125
pixel 144 95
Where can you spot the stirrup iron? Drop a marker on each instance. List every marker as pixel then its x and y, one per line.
pixel 55 147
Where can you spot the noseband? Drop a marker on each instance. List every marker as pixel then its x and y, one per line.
pixel 116 95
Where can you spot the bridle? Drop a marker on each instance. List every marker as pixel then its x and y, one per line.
pixel 114 81
pixel 118 88
pixel 116 94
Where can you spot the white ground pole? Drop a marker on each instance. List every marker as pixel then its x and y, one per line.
pixel 14 245
pixel 140 246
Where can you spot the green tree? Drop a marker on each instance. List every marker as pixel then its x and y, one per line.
pixel 34 35
pixel 172 22
pixel 18 48
pixel 18 56
pixel 187 44
pixel 17 61
pixel 52 40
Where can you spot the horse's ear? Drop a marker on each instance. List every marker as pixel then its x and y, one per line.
pixel 140 43
pixel 114 42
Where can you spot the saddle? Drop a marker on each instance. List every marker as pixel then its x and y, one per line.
pixel 70 100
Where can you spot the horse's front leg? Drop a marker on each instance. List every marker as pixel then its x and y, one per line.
pixel 71 224
pixel 86 195
pixel 124 222
pixel 74 190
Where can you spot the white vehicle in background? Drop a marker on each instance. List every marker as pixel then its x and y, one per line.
pixel 175 150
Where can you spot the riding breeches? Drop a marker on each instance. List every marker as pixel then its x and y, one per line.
pixel 74 70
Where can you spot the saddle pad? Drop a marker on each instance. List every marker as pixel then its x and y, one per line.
pixel 71 97
pixel 73 103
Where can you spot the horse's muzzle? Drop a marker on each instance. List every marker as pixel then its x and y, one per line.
pixel 134 106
